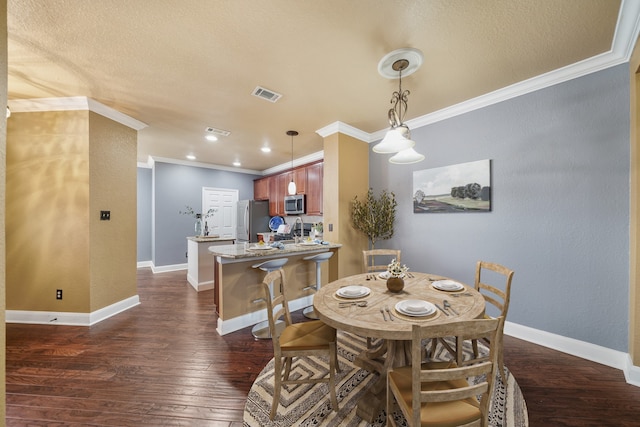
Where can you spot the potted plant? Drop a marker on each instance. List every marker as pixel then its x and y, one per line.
pixel 375 216
pixel 199 229
pixel 395 275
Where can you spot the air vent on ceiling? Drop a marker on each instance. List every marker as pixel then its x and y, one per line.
pixel 267 94
pixel 218 132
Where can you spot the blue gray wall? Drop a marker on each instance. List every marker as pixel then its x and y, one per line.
pixel 171 188
pixel 144 214
pixel 560 208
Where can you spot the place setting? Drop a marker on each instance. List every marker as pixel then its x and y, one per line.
pixel 447 285
pixel 415 309
pixel 352 292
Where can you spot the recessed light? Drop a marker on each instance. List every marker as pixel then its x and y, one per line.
pixel 265 149
pixel 211 137
pixel 237 164
pixel 191 157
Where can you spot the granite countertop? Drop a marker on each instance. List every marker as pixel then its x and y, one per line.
pixel 239 252
pixel 212 238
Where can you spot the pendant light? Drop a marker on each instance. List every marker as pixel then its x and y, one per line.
pixel 398 137
pixel 292 185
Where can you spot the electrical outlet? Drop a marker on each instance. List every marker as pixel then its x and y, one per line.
pixel 330 227
pixel 105 215
pixel 58 293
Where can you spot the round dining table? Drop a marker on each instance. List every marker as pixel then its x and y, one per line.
pixel 374 315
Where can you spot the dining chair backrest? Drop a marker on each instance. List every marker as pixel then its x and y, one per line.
pixel 378 259
pixel 497 295
pixel 439 393
pixel 277 304
pixel 303 339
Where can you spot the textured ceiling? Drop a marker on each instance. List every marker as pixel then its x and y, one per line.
pixel 181 66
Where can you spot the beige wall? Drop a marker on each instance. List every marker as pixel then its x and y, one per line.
pixel 3 146
pixel 47 211
pixel 346 174
pixel 112 183
pixel 62 169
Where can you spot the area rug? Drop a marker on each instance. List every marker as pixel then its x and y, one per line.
pixel 308 404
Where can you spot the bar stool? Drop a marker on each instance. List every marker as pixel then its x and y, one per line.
pixel 260 330
pixel 309 312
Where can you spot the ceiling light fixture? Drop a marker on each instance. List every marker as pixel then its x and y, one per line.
pixel 190 157
pixel 292 185
pixel 211 138
pixel 265 149
pixel 398 137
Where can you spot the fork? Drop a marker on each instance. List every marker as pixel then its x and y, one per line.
pixel 386 307
pixel 383 316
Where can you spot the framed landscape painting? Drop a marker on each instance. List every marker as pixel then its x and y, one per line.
pixel 465 187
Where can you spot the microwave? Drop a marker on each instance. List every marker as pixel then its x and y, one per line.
pixel 294 205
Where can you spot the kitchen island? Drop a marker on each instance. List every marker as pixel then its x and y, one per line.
pixel 239 285
pixel 199 265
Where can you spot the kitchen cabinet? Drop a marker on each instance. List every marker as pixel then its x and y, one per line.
pixel 300 178
pixel 261 189
pixel 314 189
pixel 274 188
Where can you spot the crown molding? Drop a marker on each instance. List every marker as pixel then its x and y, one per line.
pixel 74 103
pixel 313 157
pixel 153 159
pixel 340 127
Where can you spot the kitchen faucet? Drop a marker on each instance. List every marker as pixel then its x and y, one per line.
pixel 299 219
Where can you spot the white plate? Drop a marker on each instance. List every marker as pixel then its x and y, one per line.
pixel 308 244
pixel 260 248
pixel 354 291
pixel 385 275
pixel 447 285
pixel 415 307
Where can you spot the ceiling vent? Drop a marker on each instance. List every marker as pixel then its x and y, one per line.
pixel 267 94
pixel 218 132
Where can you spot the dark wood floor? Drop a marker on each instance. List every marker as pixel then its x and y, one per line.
pixel 163 364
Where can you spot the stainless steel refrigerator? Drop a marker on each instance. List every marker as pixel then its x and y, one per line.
pixel 252 218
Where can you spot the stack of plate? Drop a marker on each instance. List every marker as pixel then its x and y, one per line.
pixel 415 307
pixel 354 291
pixel 448 285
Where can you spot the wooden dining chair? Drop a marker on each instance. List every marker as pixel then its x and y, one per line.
pixel 497 305
pixel 313 338
pixel 443 393
pixel 378 259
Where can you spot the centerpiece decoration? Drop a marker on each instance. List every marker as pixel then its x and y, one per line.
pixel 200 229
pixel 395 273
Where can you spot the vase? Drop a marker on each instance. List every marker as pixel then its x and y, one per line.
pixel 198 225
pixel 395 284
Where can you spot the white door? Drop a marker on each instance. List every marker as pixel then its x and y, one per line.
pixel 224 200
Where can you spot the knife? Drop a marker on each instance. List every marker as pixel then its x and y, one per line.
pixel 440 308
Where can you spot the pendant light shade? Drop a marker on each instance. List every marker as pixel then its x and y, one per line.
pixel 406 157
pixel 398 137
pixel 394 141
pixel 291 189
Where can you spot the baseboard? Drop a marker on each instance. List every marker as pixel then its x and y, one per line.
pixel 202 286
pixel 167 268
pixel 584 350
pixel 143 264
pixel 70 319
pixel 249 319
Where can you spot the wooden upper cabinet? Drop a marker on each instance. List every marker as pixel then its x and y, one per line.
pixel 261 189
pixel 300 178
pixel 314 189
pixel 308 181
